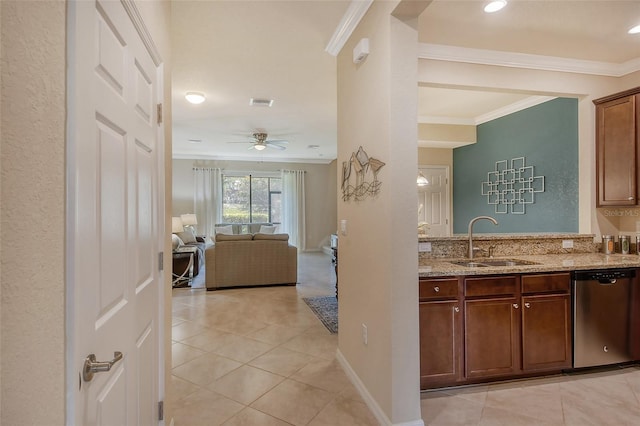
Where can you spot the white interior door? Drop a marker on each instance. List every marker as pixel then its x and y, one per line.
pixel 434 199
pixel 113 216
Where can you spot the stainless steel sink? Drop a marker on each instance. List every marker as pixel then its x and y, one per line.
pixel 483 263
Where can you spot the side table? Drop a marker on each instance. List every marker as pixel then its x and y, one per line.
pixel 182 265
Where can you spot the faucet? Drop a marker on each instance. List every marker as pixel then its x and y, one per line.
pixel 474 220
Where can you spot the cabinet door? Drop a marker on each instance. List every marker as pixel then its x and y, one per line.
pixel 440 343
pixel 546 332
pixel 492 337
pixel 616 152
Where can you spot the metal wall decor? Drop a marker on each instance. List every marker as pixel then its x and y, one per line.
pixel 356 169
pixel 511 186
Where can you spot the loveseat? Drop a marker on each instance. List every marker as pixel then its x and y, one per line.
pixel 246 260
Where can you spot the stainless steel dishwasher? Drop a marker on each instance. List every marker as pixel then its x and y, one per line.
pixel 601 306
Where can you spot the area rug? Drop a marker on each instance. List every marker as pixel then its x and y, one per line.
pixel 326 309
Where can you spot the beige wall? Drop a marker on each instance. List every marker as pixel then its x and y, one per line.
pixel 32 215
pixel 320 190
pixel 33 206
pixel 581 86
pixel 378 254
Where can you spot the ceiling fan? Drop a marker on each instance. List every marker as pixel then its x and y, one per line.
pixel 260 142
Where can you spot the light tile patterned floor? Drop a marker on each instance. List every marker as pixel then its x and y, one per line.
pixel 260 356
pixel 254 357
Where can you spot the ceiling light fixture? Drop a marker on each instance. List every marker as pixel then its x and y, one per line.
pixel 259 147
pixel 195 97
pixel 634 30
pixel 422 180
pixel 495 6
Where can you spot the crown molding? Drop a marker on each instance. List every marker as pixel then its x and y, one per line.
pixel 355 12
pixel 457 121
pixel 192 156
pixel 514 107
pixel 440 52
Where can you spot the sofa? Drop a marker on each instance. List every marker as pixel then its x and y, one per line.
pixel 248 260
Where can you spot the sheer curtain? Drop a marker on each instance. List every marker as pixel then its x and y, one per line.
pixel 293 201
pixel 207 198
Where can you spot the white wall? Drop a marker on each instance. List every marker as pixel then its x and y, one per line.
pixel 378 255
pixel 320 190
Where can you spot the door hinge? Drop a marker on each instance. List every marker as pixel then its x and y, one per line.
pixel 159 110
pixel 161 261
pixel 161 410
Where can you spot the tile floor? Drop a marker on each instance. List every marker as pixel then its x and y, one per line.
pixel 260 357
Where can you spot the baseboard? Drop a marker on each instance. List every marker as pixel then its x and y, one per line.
pixel 378 413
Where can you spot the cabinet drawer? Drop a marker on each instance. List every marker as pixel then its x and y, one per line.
pixel 445 288
pixel 546 283
pixel 490 286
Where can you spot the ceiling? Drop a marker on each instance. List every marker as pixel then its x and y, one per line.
pixel 236 50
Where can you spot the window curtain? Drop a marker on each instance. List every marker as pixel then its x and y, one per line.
pixel 293 212
pixel 207 198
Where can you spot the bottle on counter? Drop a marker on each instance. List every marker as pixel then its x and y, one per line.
pixel 625 241
pixel 608 244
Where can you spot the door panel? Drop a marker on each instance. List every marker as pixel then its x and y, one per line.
pixel 434 199
pixel 114 215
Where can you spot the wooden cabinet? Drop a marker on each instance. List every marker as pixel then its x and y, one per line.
pixel 484 327
pixel 492 326
pixel 546 322
pixel 440 332
pixel 618 148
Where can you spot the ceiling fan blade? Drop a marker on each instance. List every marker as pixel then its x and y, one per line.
pixel 279 141
pixel 272 145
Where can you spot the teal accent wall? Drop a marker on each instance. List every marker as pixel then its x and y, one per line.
pixel 547 136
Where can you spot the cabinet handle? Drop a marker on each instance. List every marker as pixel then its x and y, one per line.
pixel 527 305
pixel 456 309
pixel 436 289
pixel 515 305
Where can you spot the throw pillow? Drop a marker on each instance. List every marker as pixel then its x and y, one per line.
pixel 280 237
pixel 233 237
pixel 176 241
pixel 267 229
pixel 227 230
pixel 187 236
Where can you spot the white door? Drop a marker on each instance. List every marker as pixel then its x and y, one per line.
pixel 434 199
pixel 114 216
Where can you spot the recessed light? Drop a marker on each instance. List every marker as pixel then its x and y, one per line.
pixel 261 102
pixel 495 6
pixel 195 97
pixel 634 30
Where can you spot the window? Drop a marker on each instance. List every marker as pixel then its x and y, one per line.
pixel 248 198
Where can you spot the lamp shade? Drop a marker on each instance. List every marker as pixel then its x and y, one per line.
pixel 176 225
pixel 189 219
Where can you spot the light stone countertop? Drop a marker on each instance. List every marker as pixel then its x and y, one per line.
pixel 438 267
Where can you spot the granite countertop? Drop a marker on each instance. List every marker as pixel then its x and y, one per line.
pixel 438 267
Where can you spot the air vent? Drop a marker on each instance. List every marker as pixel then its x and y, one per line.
pixel 195 140
pixel 261 102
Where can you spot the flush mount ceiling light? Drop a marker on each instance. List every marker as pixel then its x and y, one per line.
pixel 422 181
pixel 259 147
pixel 195 97
pixel 495 6
pixel 634 30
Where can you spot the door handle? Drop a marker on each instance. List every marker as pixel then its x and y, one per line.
pixel 91 366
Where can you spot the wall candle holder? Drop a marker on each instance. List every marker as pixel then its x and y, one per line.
pixel 357 169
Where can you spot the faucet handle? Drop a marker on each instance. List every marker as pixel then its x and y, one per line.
pixel 491 248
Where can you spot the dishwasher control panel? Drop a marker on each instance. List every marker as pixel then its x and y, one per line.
pixel 603 274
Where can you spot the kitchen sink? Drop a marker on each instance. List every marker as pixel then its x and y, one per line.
pixel 483 263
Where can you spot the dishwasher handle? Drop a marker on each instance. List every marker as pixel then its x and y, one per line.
pixel 607 281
